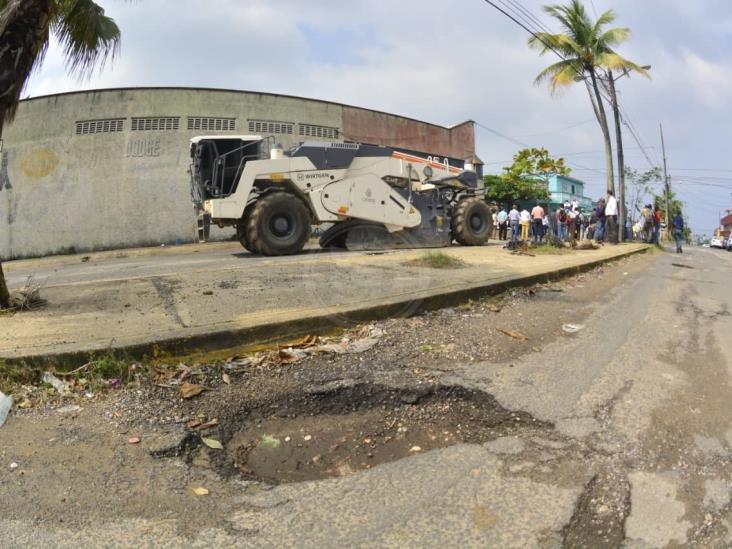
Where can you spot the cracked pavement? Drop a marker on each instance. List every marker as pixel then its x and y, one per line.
pixel 633 450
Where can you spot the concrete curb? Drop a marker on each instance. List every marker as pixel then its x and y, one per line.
pixel 312 324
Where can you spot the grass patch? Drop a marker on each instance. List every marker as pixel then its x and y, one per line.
pixel 548 249
pixel 436 260
pixel 12 375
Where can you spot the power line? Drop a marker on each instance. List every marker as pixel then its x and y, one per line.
pixel 559 130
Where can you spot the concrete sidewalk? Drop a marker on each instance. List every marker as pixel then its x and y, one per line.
pixel 252 298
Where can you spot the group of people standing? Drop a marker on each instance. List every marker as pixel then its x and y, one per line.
pixel 648 227
pixel 566 222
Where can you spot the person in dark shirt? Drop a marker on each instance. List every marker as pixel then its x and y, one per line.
pixel 678 226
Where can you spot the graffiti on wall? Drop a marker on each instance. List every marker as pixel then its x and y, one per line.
pixel 142 148
pixel 39 163
pixel 4 178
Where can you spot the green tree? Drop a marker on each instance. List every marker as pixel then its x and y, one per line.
pixel 585 48
pixel 87 36
pixel 675 205
pixel 526 178
pixel 641 186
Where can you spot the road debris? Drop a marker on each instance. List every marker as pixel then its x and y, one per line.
pixel 70 409
pixel 513 334
pixel 6 403
pixel 200 491
pixel 14 465
pixel 55 382
pixel 133 440
pixel 27 298
pixel 212 443
pixel 210 423
pixel 572 328
pixel 189 390
pixel 268 441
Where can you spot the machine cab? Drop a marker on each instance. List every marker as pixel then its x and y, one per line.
pixel 217 162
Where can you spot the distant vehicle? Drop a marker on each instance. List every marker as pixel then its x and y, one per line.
pixel 728 243
pixel 717 242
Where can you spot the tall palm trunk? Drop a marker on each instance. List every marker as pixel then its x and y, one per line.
pixel 4 293
pixel 621 156
pixel 602 119
pixel 22 35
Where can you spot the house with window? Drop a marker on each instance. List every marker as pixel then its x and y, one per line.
pixel 563 189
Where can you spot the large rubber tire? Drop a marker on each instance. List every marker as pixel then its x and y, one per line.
pixel 279 224
pixel 241 236
pixel 241 231
pixel 471 222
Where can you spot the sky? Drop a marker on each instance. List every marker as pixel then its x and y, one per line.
pixel 446 62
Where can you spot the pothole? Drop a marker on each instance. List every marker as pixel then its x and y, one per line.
pixel 343 428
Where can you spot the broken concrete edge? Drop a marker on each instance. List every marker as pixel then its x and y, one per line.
pixel 274 332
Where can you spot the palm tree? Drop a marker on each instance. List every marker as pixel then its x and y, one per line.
pixel 584 47
pixel 87 36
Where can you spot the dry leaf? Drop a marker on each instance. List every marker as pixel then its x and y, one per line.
pixel 189 390
pixel 212 443
pixel 192 424
pixel 133 440
pixel 307 341
pixel 210 423
pixel 289 356
pixel 200 491
pixel 515 335
pixel 226 378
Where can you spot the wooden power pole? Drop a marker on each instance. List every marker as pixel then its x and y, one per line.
pixel 667 183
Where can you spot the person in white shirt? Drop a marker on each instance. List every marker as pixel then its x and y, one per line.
pixel 611 218
pixel 525 222
pixel 513 218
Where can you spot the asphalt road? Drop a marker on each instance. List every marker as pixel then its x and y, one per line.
pixel 140 263
pixel 635 450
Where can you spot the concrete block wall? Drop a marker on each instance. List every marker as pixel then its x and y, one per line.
pixel 61 191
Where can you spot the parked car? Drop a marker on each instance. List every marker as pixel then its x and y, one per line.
pixel 717 242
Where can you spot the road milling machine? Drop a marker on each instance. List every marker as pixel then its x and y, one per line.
pixel 369 197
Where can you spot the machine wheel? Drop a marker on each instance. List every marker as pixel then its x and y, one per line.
pixel 471 222
pixel 241 231
pixel 241 236
pixel 279 224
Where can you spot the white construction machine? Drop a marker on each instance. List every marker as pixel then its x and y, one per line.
pixel 371 197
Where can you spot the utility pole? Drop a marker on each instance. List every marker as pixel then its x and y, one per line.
pixel 667 182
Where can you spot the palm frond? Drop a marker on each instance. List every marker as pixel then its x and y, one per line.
pixel 605 19
pixel 613 61
pixel 9 10
pixel 87 36
pixel 558 43
pixel 560 75
pixel 613 37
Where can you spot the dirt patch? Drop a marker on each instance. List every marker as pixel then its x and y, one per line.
pixel 336 430
pixel 600 514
